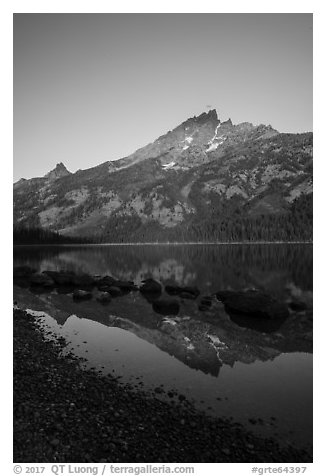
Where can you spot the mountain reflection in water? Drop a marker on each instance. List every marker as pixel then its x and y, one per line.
pixel 241 352
pixel 276 268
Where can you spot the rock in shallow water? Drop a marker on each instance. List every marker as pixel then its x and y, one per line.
pixel 80 294
pixel 105 281
pixel 253 303
pixel 126 286
pixel 188 292
pixel 104 298
pixel 150 286
pixel 185 295
pixel 206 301
pixel 203 308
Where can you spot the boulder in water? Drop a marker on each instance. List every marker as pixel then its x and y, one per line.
pixel 150 286
pixel 186 292
pixel 254 304
pixel 105 281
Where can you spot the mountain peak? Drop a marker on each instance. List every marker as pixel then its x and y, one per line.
pixel 59 171
pixel 228 122
pixel 210 116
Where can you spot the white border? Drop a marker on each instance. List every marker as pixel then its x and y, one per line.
pixel 96 6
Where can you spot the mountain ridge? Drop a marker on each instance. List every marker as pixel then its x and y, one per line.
pixel 202 173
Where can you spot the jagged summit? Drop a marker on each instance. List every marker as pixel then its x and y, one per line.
pixel 205 117
pixel 59 171
pixel 208 116
pixel 199 139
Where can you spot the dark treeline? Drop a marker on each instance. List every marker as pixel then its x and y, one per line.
pixel 294 225
pixel 37 235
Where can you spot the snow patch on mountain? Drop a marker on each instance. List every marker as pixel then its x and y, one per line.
pixel 213 143
pixel 169 165
pixel 215 134
pixel 214 146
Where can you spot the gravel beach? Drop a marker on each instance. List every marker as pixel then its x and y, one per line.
pixel 65 414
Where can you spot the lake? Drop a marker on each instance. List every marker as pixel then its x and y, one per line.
pixel 243 369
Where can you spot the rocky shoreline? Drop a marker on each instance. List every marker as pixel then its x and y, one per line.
pixel 251 303
pixel 65 414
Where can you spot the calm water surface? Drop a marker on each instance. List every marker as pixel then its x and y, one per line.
pixel 255 375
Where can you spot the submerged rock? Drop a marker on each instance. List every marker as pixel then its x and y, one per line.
pixel 191 290
pixel 22 275
pixel 206 301
pixel 126 286
pixel 203 307
pixel 105 281
pixel 104 297
pixel 65 289
pixel 173 290
pixel 224 295
pixel 41 279
pixel 298 306
pixel 22 271
pixel 80 294
pixel 62 278
pixel 114 291
pixel 83 281
pixel 166 306
pixel 186 295
pixel 187 292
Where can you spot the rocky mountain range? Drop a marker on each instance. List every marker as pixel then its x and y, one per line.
pixel 205 180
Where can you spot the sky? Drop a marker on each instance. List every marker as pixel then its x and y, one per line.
pixel 95 87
